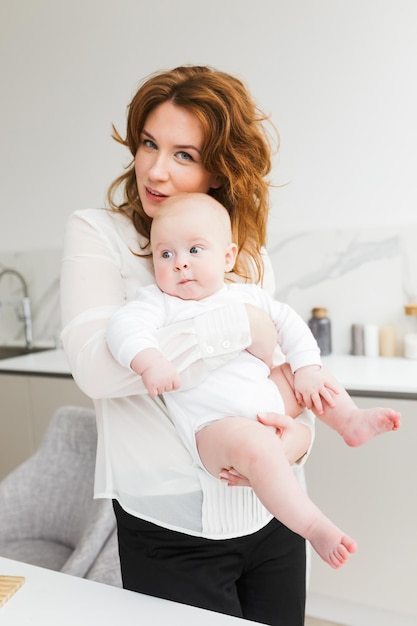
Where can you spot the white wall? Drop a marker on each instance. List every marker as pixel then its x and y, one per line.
pixel 338 77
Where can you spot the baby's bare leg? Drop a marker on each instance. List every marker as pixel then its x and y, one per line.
pixel 355 425
pixel 256 452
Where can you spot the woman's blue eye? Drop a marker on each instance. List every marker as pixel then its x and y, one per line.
pixel 166 254
pixel 195 249
pixel 148 143
pixel 185 156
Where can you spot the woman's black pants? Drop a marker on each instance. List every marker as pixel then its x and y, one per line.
pixel 260 577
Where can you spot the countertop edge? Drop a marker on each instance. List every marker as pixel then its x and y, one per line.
pixel 362 376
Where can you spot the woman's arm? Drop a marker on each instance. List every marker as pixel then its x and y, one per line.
pixel 96 281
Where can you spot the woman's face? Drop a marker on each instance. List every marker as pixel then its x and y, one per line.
pixel 168 160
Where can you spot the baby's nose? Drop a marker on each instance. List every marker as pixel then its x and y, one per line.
pixel 181 264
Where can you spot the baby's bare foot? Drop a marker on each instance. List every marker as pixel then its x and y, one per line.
pixel 341 552
pixel 364 424
pixel 331 544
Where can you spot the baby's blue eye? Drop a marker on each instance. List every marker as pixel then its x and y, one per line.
pixel 195 249
pixel 166 254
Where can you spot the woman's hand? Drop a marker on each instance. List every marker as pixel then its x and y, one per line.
pixel 295 438
pixel 233 478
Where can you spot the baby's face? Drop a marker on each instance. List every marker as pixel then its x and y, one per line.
pixel 190 252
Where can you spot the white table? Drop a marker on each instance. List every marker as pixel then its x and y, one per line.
pixel 50 598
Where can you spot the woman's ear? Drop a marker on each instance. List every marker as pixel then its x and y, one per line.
pixel 230 257
pixel 215 182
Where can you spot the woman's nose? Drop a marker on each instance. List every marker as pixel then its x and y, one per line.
pixel 159 169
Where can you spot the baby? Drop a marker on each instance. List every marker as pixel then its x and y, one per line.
pixel 192 249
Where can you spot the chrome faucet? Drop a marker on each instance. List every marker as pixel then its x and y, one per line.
pixel 26 316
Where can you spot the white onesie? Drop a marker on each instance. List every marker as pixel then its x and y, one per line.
pixel 241 386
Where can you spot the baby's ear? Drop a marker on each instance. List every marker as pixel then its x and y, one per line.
pixel 230 257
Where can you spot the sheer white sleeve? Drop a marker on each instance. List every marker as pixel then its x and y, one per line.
pixel 98 274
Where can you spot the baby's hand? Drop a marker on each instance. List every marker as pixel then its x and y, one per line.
pixel 158 374
pixel 161 377
pixel 312 388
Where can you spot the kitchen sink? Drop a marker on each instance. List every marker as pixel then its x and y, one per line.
pixel 7 352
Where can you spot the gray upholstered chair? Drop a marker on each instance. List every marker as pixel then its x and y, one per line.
pixel 48 516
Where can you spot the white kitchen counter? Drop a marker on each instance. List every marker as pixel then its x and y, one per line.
pixel 47 363
pixel 380 376
pixel 375 376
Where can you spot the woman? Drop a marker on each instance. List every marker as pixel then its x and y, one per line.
pixel 183 535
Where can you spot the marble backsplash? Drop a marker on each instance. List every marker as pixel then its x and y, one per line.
pixel 360 275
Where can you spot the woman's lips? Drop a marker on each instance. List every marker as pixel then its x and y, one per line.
pixel 154 195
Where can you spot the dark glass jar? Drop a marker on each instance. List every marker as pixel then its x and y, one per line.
pixel 321 328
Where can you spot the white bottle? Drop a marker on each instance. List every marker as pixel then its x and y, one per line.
pixel 410 336
pixel 371 340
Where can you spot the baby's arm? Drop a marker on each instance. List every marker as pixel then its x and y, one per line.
pixel 158 374
pixel 311 386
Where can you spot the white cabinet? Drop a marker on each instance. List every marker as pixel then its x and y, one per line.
pixel 26 406
pixel 370 492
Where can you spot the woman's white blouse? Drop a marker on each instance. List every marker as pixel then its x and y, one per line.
pixel 141 461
